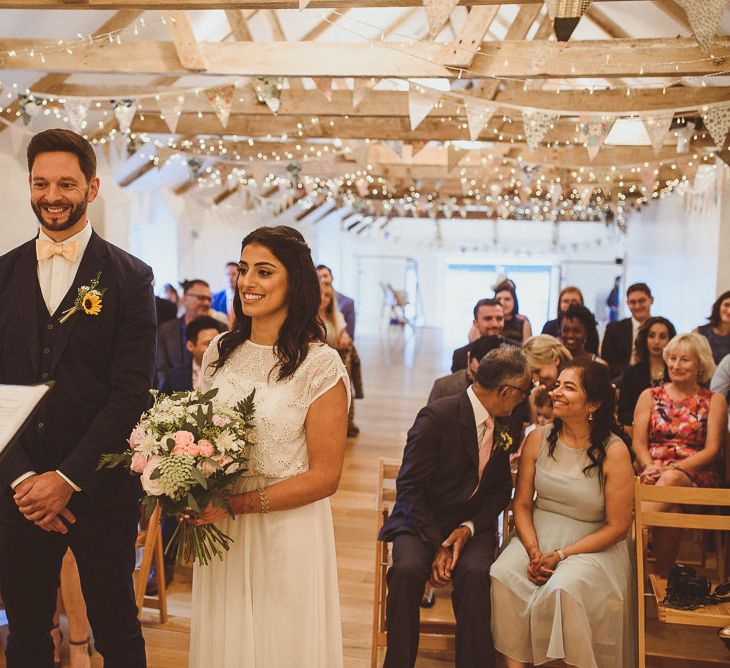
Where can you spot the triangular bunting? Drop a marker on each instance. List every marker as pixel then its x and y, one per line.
pixel 690 171
pixel 395 145
pixel 704 16
pixel 717 122
pixel 657 127
pixel 162 156
pixel 454 155
pixel 594 130
pixel 170 109
pixel 124 111
pixel 77 110
pixel 537 124
pixel 477 116
pixel 566 16
pixel 325 86
pixel 438 13
pixel 268 90
pixel 420 102
pixel 361 89
pixel 221 99
pixel 648 178
pixel 417 146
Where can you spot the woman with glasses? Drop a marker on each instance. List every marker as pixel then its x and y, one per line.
pixel 561 589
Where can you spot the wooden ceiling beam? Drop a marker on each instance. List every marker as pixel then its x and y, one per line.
pixel 186 46
pixel 476 26
pixel 517 59
pixel 231 4
pixel 238 21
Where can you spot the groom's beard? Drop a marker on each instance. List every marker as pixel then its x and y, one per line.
pixel 73 217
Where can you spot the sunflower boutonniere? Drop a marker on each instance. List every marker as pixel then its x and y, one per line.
pixel 504 439
pixel 88 299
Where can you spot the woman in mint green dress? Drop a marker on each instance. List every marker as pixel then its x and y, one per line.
pixel 563 587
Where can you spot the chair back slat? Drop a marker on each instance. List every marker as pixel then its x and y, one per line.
pixel 686 496
pixel 686 521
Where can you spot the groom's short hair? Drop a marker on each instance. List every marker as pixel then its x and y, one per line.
pixel 64 141
pixel 500 366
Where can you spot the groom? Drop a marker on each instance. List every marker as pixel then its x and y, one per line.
pixel 453 483
pixel 102 360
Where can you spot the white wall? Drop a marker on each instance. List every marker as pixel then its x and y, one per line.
pixel 673 246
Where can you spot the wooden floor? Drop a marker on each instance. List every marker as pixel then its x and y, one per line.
pixel 398 367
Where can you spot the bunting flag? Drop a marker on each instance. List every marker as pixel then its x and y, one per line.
pixel 221 99
pixel 537 124
pixel 361 89
pixel 438 13
pixel 361 153
pixel 268 90
pixel 477 116
pixel 420 102
pixel 395 145
pixel 690 171
pixel 77 110
pixel 170 109
pixel 648 178
pixel 684 137
pixel 717 122
pixel 566 15
pixel 325 86
pixel 260 171
pixel 704 16
pixel 657 127
pixel 417 147
pixel 455 155
pixel 594 130
pixel 162 156
pixel 124 111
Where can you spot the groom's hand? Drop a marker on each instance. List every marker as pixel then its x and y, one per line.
pixel 457 539
pixel 43 499
pixel 440 568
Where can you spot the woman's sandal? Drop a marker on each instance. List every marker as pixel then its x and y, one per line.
pixel 57 647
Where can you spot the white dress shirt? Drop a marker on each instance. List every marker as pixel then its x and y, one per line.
pixel 481 415
pixel 55 277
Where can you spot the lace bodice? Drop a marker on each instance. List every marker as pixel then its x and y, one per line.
pixel 281 406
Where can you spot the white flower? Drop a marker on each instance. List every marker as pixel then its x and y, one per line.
pixel 151 487
pixel 226 443
pixel 148 444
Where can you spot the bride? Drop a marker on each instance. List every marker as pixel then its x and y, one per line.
pixel 273 601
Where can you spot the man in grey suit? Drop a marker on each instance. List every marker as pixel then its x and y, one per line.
pixel 457 382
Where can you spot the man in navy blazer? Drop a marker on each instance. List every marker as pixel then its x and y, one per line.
pixel 344 303
pixel 223 300
pixel 100 351
pixel 453 483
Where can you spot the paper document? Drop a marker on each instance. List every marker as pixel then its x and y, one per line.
pixel 17 403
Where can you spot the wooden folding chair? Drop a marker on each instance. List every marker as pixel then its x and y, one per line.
pixel 150 540
pixel 715 616
pixel 438 626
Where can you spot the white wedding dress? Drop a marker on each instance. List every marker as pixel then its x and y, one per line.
pixel 273 601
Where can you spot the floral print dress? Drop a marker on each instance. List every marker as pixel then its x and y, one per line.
pixel 678 429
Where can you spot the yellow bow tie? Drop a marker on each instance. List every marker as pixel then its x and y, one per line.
pixel 45 249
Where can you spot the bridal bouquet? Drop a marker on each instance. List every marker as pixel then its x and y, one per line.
pixel 189 450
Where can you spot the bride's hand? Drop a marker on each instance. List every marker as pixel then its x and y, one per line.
pixel 210 515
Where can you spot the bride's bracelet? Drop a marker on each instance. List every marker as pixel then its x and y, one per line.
pixel 264 501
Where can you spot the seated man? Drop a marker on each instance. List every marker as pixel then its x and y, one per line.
pixel 488 321
pixel 457 382
pixel 453 483
pixel 199 332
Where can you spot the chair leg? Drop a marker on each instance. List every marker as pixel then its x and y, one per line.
pixel 160 570
pixel 153 531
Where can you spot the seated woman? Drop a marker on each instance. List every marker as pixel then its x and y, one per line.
pixel 577 327
pixel 338 338
pixel 546 357
pixel 650 370
pixel 717 330
pixel 678 431
pixel 568 295
pixel 517 328
pixel 562 587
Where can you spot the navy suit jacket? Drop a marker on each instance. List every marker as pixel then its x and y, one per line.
pixel 178 379
pixel 102 367
pixel 439 473
pixel 219 302
pixel 347 308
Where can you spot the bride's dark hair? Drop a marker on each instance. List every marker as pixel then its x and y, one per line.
pixel 303 324
pixel 595 380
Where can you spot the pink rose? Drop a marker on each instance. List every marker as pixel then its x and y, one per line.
pixel 151 487
pixel 205 447
pixel 221 420
pixel 194 450
pixel 135 437
pixel 180 450
pixel 139 462
pixel 183 438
